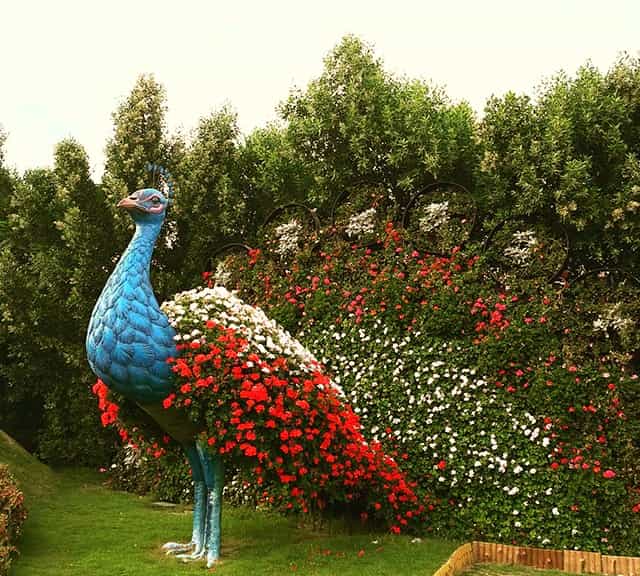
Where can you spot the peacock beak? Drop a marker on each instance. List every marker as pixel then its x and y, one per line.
pixel 129 203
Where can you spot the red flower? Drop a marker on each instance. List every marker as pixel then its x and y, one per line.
pixel 608 474
pixel 168 401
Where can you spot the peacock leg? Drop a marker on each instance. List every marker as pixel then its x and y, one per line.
pixel 196 546
pixel 214 477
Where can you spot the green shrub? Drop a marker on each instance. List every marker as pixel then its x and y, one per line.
pixel 12 517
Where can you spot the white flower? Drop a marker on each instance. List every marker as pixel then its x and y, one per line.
pixel 435 215
pixel 521 247
pixel 361 224
pixel 222 274
pixel 612 320
pixel 185 312
pixel 171 235
pixel 288 236
pixel 555 511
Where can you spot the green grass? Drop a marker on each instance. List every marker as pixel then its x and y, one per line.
pixel 78 527
pixel 35 479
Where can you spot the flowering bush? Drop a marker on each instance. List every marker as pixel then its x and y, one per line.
pixel 522 246
pixel 526 249
pixel 361 224
pixel 493 398
pixel 494 401
pixel 435 215
pixel 12 517
pixel 263 402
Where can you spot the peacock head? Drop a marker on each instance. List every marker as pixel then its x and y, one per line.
pixel 146 206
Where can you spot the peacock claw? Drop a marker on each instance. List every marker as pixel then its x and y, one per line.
pixel 172 548
pixel 197 555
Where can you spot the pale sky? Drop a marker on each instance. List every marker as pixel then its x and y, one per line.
pixel 66 64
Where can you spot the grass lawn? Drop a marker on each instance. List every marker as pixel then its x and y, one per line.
pixel 78 527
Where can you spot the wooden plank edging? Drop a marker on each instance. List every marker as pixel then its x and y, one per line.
pixel 461 559
pixel 572 561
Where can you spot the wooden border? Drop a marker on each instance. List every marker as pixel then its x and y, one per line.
pixel 459 561
pixel 570 561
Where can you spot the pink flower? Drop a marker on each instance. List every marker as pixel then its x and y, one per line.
pixel 608 474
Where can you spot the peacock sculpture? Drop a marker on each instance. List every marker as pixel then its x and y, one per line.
pixel 128 343
pixel 226 382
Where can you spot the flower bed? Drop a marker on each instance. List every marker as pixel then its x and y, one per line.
pixel 519 420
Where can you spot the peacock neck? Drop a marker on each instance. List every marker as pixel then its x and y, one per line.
pixel 137 257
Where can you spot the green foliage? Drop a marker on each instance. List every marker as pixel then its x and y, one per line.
pixel 140 137
pixel 53 268
pixel 33 476
pixel 12 517
pixel 357 125
pixel 271 173
pixel 167 479
pixel 209 209
pixel 571 157
pixel 6 186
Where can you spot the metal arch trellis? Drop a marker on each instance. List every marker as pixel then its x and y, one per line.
pixel 503 263
pixel 448 227
pixel 358 225
pixel 608 300
pixel 221 254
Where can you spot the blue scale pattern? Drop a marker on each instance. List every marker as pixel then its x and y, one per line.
pixel 129 338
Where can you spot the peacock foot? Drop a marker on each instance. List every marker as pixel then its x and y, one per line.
pixel 198 554
pixel 212 558
pixel 171 548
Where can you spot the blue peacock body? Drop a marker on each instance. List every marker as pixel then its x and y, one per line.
pixel 129 338
pixel 129 342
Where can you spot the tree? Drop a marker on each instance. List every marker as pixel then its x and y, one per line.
pixel 570 157
pixel 209 208
pixel 6 185
pixel 52 266
pixel 357 125
pixel 139 137
pixel 272 172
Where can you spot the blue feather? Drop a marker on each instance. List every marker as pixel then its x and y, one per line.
pixel 129 337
